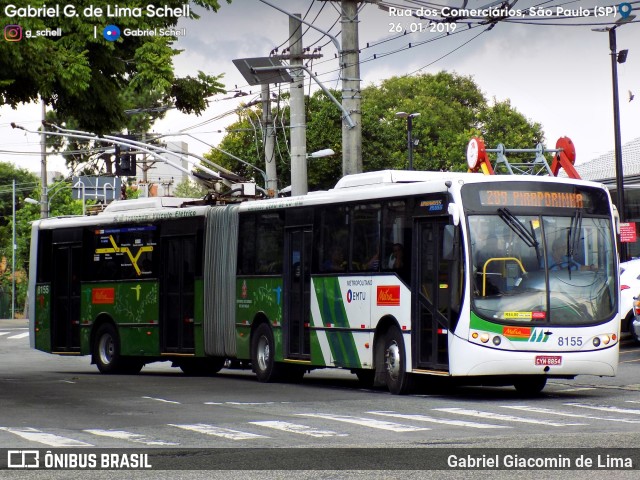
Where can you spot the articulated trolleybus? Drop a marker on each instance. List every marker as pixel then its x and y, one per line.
pixel 393 274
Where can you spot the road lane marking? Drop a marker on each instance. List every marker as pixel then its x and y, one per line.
pixel 606 408
pixel 576 389
pixel 548 411
pixel 50 439
pixel 219 432
pixel 297 428
pixel 18 336
pixel 162 400
pixel 365 422
pixel 425 418
pixel 4 333
pixel 130 437
pixel 507 418
pixel 239 403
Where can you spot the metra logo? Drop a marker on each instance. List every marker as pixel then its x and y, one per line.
pixel 521 332
pixel 103 296
pixel 388 295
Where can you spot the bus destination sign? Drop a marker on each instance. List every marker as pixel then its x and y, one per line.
pixel 520 198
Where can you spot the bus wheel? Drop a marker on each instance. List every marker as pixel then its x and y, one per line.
pixel 530 386
pixel 262 354
pixel 106 350
pixel 398 380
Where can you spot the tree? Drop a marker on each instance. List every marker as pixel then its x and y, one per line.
pixel 452 107
pixel 187 189
pixel 92 81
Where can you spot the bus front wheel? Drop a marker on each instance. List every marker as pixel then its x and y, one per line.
pixel 397 378
pixel 530 386
pixel 263 353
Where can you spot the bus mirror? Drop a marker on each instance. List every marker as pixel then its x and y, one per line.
pixel 452 209
pixel 449 242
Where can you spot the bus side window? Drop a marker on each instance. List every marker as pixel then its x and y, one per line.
pixel 333 248
pixel 365 243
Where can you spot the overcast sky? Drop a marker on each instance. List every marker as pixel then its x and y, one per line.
pixel 558 75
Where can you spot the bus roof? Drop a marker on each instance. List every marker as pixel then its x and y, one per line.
pixel 385 184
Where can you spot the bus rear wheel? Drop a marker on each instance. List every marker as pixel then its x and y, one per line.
pixel 106 353
pixel 397 378
pixel 262 354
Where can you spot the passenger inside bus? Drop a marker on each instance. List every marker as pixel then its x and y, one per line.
pixel 560 260
pixel 336 261
pixel 397 262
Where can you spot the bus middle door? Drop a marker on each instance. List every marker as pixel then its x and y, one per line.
pixel 297 292
pixel 178 293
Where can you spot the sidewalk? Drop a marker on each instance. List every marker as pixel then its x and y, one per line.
pixel 18 322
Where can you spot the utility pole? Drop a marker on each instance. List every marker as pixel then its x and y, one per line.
pixel 351 97
pixel 269 143
pixel 298 127
pixel 44 197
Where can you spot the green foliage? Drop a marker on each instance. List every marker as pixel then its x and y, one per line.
pixel 452 110
pixel 187 189
pixel 91 81
pixel 61 203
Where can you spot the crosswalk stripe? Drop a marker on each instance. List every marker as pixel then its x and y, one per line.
pixel 606 408
pixel 508 418
pixel 50 439
pixel 300 429
pixel 219 432
pixel 366 422
pixel 20 335
pixel 4 333
pixel 131 437
pixel 548 411
pixel 425 418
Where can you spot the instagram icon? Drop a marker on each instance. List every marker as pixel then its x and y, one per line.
pixel 13 33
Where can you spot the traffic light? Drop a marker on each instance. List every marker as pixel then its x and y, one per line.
pixel 125 161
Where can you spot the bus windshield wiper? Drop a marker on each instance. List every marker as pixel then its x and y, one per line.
pixel 573 239
pixel 516 225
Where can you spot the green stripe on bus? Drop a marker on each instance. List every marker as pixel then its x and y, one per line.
pixel 332 312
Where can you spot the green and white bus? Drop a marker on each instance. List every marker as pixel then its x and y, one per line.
pixel 393 274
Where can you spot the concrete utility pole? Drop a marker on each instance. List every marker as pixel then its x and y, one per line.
pixel 298 121
pixel 269 143
pixel 351 97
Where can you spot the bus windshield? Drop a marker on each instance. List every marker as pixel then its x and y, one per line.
pixel 546 269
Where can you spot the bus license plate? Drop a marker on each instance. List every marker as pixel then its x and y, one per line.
pixel 545 360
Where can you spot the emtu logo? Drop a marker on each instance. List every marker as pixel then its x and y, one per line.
pixel 111 33
pixel 13 33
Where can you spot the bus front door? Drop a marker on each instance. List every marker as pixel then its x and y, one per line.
pixel 297 287
pixel 431 291
pixel 178 294
pixel 65 314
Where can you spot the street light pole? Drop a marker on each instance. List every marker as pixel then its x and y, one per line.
pixel 616 58
pixel 616 126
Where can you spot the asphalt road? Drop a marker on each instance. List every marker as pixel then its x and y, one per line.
pixel 51 402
